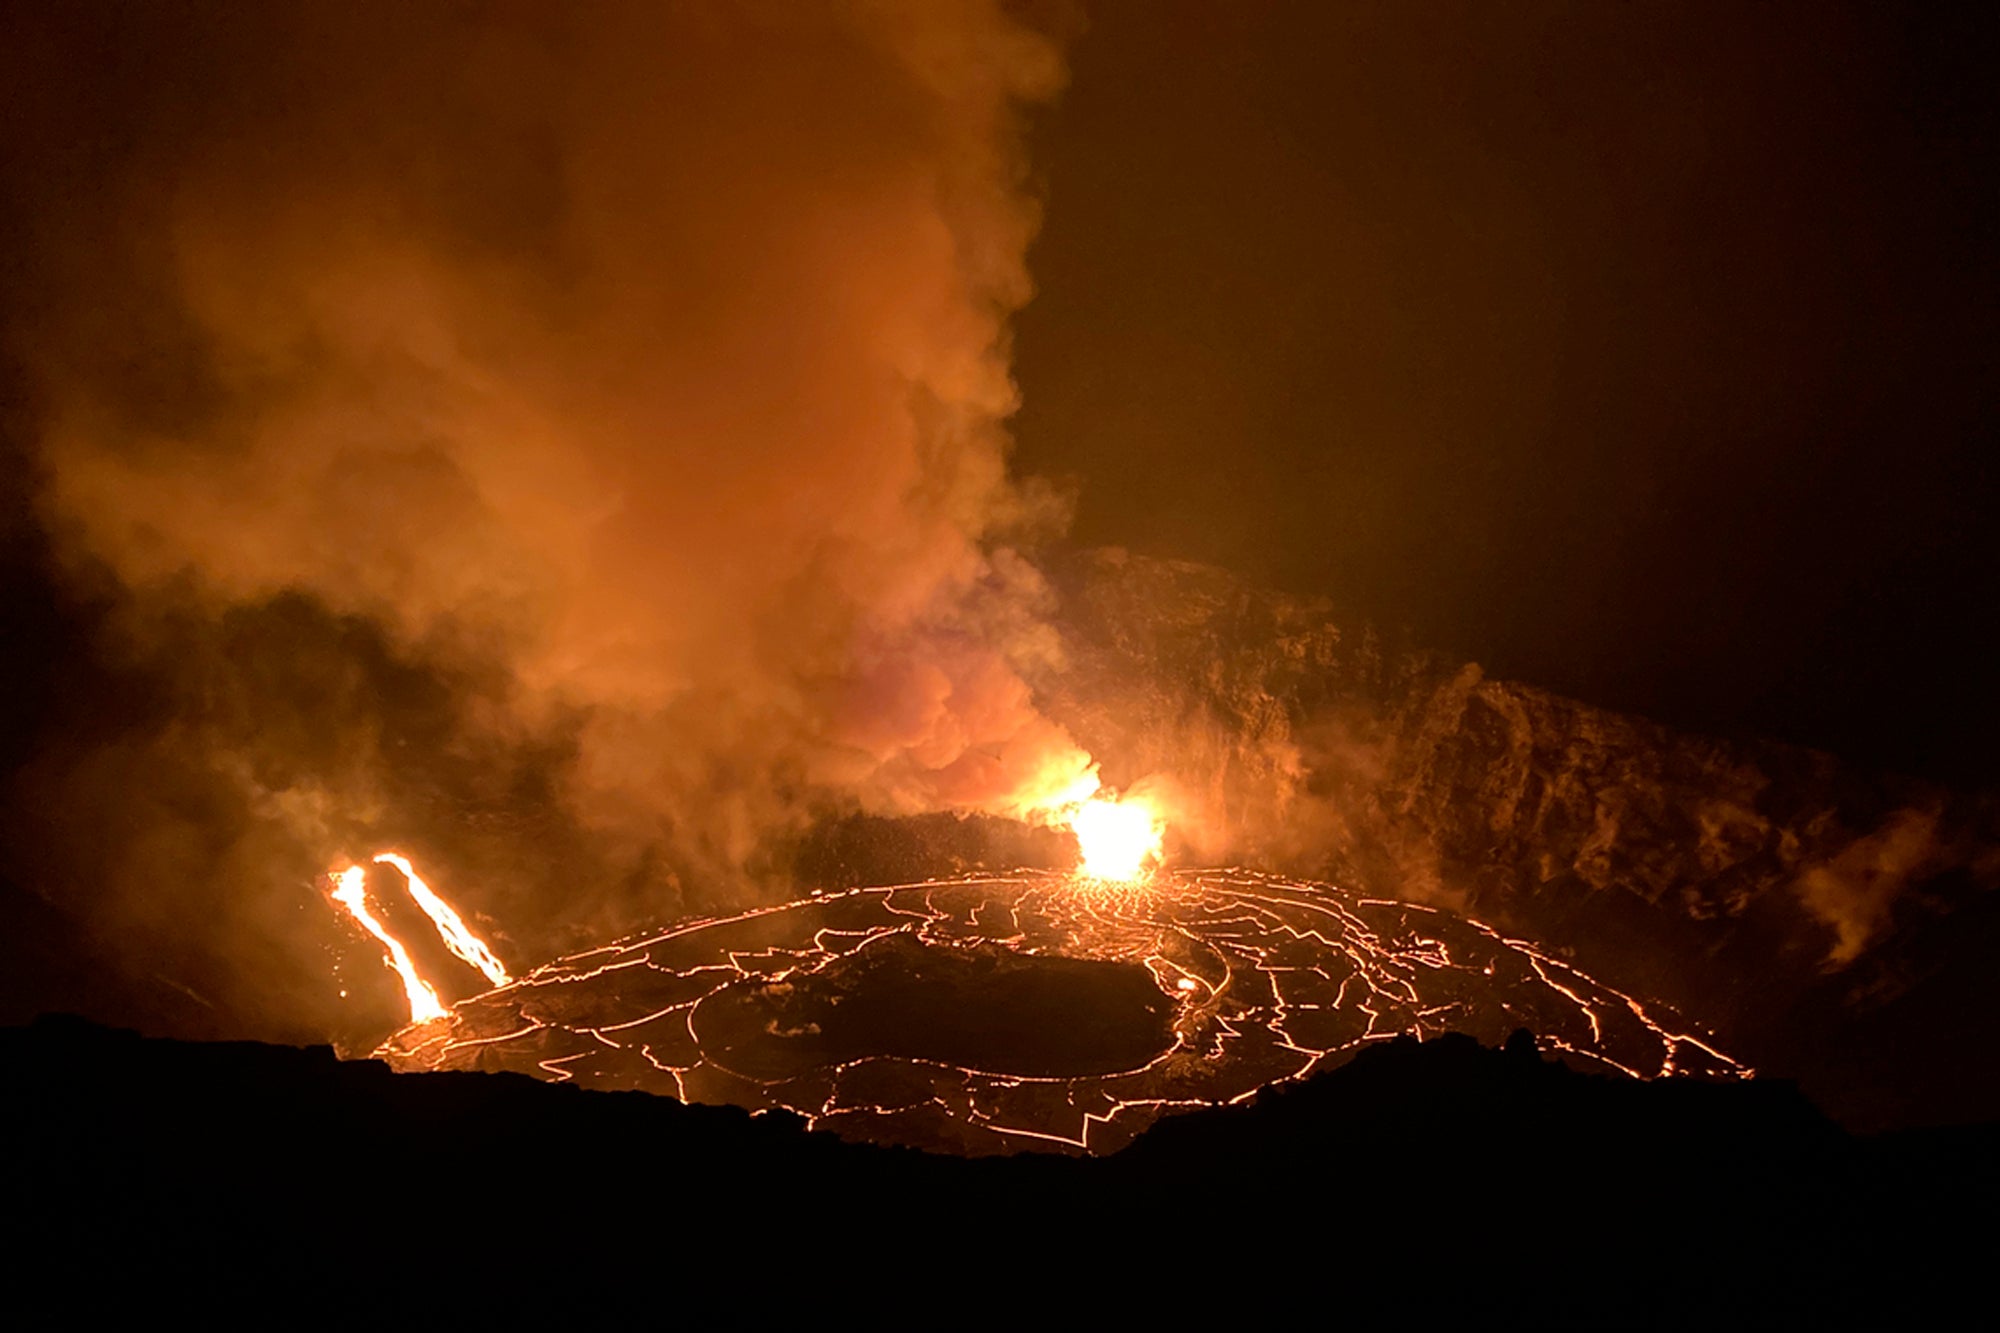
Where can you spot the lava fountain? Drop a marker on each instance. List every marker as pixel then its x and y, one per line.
pixel 1118 840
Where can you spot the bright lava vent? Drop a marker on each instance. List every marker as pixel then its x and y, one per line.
pixel 1118 840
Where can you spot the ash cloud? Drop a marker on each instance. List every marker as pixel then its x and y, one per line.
pixel 628 380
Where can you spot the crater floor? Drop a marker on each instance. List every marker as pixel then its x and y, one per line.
pixel 995 1014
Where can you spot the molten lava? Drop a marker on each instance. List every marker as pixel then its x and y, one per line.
pixel 464 945
pixel 995 1014
pixel 1119 840
pixel 350 891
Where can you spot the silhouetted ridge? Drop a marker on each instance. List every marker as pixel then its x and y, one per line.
pixel 146 1168
pixel 1511 1101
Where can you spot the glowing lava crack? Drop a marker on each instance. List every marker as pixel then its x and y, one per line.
pixel 1033 1010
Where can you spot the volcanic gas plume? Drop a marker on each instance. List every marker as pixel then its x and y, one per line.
pixel 456 412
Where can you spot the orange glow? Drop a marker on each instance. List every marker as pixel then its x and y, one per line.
pixel 350 894
pixel 1120 840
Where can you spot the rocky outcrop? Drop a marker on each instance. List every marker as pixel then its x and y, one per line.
pixel 1765 888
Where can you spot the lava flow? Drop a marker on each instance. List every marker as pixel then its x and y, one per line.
pixel 350 891
pixel 464 945
pixel 1035 1010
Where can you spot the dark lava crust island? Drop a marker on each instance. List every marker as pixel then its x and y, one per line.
pixel 996 1014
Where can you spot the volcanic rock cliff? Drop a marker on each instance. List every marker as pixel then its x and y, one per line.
pixel 1832 923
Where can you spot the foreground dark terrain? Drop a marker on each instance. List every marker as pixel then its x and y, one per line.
pixel 244 1179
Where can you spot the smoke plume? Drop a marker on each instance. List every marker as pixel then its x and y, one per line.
pixel 593 409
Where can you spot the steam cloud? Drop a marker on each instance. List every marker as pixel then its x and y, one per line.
pixel 604 397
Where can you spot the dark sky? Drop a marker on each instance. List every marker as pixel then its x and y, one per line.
pixel 1642 351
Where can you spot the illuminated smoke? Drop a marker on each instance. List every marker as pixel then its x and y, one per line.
pixel 1853 892
pixel 643 364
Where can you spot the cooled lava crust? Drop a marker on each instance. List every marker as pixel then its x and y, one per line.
pixel 997 1014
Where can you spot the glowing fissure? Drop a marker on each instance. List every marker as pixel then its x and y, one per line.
pixel 350 891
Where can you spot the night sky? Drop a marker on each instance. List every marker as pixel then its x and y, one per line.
pixel 1644 352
